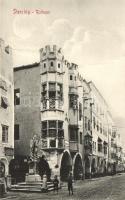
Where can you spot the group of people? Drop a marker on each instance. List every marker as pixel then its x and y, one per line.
pixel 56 184
pixel 69 184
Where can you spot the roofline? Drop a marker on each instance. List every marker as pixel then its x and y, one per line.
pixel 36 64
pixel 91 82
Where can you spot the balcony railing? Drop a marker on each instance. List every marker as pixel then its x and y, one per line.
pixel 52 104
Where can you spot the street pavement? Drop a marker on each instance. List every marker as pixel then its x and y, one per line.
pixel 104 188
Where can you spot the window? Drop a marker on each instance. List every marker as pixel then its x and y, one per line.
pixel 73 134
pixel 73 101
pixel 52 128
pixel 44 125
pixel 100 128
pixel 44 65
pixel 17 97
pixel 51 64
pixel 97 126
pixel 86 125
pixel 52 143
pixel 4 102
pixel 52 124
pixel 70 77
pixel 60 124
pixel 94 123
pixel 80 111
pixel 58 65
pixel 16 132
pixel 89 125
pixel 4 133
pixel 52 87
pixel 99 145
pixel 80 137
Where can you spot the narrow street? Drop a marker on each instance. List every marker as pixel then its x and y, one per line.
pixel 109 188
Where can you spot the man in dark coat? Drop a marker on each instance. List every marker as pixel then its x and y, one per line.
pixel 70 183
pixel 56 183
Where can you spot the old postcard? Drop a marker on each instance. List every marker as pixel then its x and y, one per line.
pixel 62 99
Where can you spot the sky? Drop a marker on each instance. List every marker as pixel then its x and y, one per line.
pixel 91 34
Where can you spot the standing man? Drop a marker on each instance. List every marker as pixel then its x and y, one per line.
pixel 70 183
pixel 56 184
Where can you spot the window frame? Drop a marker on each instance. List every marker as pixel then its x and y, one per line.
pixel 5 133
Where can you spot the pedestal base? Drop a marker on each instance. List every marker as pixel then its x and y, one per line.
pixel 32 178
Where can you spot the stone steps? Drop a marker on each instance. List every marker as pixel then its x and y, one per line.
pixel 30 187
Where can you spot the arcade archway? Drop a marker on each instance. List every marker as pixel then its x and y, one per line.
pixel 93 167
pixel 2 169
pixel 18 169
pixel 66 166
pixel 78 168
pixel 43 168
pixel 87 168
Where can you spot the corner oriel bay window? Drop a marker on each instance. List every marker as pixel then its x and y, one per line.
pixel 73 101
pixel 52 129
pixel 53 94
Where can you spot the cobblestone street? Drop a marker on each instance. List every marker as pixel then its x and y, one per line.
pixel 109 188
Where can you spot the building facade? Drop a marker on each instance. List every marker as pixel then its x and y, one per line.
pixel 6 109
pixel 53 102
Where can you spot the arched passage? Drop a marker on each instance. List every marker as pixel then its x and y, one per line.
pixel 93 167
pixel 2 169
pixel 87 168
pixel 78 168
pixel 66 166
pixel 105 168
pixel 18 169
pixel 43 168
pixel 109 169
pixel 102 167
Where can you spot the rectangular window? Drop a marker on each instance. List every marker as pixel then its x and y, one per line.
pixel 44 87
pixel 52 87
pixel 16 132
pixel 70 77
pixel 58 65
pixel 89 125
pixel 73 134
pixel 17 97
pixel 52 124
pixel 86 124
pixel 4 102
pixel 4 133
pixel 44 65
pixel 52 143
pixel 44 125
pixel 94 123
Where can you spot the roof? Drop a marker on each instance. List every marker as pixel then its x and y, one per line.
pixel 26 66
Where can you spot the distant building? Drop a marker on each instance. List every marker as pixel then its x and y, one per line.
pixel 68 114
pixel 6 108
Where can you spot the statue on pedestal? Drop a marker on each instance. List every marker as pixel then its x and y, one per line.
pixel 34 146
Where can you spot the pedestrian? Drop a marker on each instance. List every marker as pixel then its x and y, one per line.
pixel 70 183
pixel 56 184
pixel 44 185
